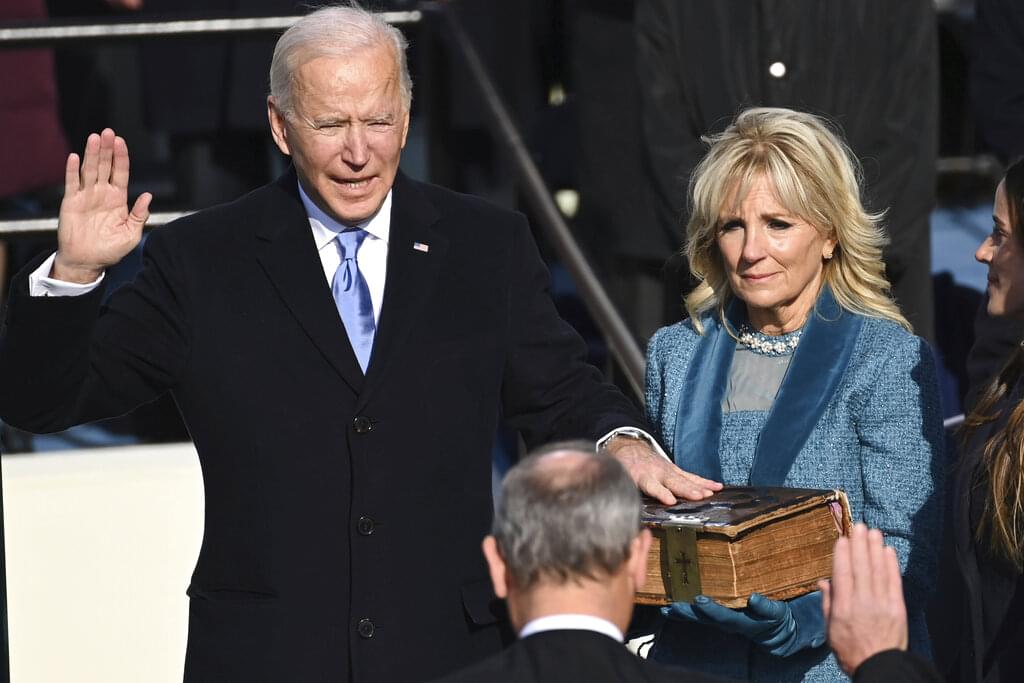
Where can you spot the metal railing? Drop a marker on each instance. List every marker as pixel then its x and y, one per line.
pixel 30 36
pixel 620 341
pixel 546 213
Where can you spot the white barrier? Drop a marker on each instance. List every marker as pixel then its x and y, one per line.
pixel 100 548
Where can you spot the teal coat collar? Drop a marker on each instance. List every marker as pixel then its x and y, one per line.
pixel 813 377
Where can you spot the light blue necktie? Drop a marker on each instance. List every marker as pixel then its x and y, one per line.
pixel 352 296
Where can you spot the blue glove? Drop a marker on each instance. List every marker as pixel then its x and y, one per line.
pixel 781 627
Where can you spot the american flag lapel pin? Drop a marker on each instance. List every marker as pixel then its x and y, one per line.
pixel 420 246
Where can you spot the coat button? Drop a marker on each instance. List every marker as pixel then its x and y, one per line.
pixel 365 525
pixel 777 69
pixel 362 424
pixel 365 628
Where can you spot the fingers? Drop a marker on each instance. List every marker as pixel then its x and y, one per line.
pixel 879 565
pixel 72 183
pixel 842 573
pixel 91 160
pixel 860 558
pixel 119 173
pixel 687 485
pixel 680 611
pixel 765 608
pixel 106 156
pixel 826 598
pixel 893 589
pixel 706 608
pixel 653 488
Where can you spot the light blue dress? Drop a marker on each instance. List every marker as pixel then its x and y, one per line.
pixel 858 410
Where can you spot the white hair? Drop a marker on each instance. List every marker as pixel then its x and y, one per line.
pixel 335 31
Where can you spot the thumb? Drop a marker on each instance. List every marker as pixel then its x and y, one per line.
pixel 140 212
pixel 762 607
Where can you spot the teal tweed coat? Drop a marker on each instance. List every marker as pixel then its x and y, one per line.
pixel 877 434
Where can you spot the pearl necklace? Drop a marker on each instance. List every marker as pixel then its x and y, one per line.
pixel 767 345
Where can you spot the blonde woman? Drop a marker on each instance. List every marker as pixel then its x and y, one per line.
pixel 795 368
pixel 989 512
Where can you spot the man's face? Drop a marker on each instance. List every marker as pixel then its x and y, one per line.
pixel 346 132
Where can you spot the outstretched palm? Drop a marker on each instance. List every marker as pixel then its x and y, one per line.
pixel 96 229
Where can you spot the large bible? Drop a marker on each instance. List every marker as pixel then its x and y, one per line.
pixel 774 541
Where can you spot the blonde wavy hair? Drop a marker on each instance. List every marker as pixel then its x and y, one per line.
pixel 816 177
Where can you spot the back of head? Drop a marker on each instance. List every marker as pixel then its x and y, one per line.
pixel 566 513
pixel 815 176
pixel 334 31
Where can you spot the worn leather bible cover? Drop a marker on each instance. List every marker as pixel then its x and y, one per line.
pixel 773 541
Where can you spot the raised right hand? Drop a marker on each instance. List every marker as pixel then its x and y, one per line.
pixel 863 605
pixel 95 228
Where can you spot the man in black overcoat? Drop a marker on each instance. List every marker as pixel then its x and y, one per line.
pixel 342 395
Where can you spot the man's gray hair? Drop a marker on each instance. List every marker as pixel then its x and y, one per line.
pixel 334 31
pixel 566 513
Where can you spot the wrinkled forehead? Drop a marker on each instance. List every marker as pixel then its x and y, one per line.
pixel 365 76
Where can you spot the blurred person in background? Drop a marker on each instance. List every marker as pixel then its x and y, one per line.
pixel 795 368
pixel 34 148
pixel 871 66
pixel 988 495
pixel 997 103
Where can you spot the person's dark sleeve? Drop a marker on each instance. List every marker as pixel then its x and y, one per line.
pixel 997 87
pixel 896 665
pixel 549 391
pixel 673 147
pixel 69 360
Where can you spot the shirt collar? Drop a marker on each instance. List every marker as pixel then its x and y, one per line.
pixel 572 622
pixel 325 228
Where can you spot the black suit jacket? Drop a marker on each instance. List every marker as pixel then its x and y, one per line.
pixel 343 514
pixel 570 655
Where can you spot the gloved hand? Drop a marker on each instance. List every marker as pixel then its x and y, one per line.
pixel 781 627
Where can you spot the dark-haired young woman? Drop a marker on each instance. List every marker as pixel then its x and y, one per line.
pixel 989 522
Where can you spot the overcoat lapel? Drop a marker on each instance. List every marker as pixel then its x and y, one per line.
pixel 287 253
pixel 411 275
pixel 818 366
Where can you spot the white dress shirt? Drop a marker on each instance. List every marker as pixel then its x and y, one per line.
pixel 571 622
pixel 372 256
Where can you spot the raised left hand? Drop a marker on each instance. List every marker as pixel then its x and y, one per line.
pixel 656 476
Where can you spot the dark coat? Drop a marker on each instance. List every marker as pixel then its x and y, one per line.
pixel 343 514
pixel 992 638
pixel 870 66
pixel 569 656
pixel 896 665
